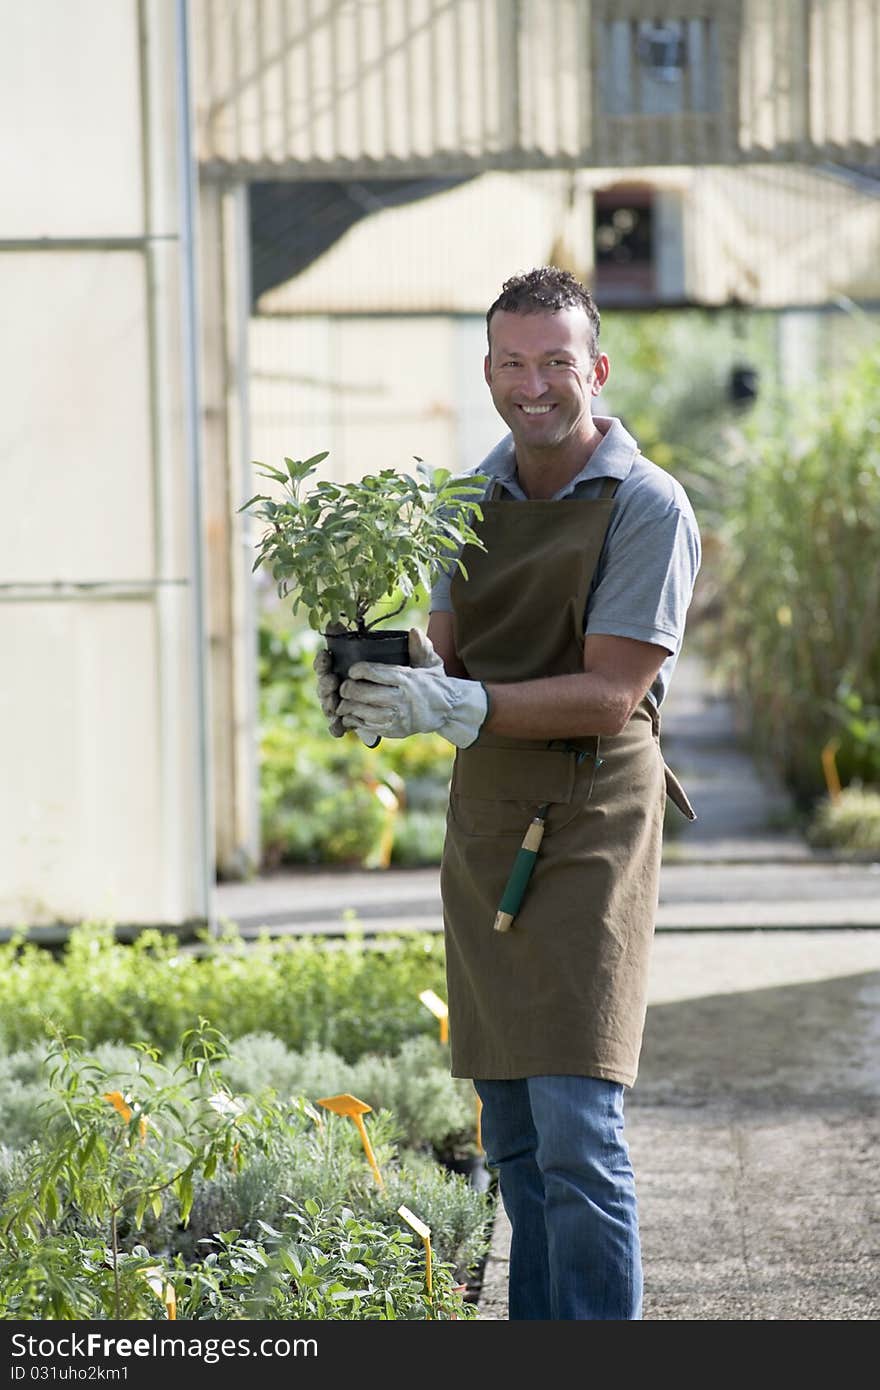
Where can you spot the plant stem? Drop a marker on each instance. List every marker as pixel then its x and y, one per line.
pixel 383 617
pixel 114 1245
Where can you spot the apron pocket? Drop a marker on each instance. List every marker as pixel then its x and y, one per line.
pixel 496 791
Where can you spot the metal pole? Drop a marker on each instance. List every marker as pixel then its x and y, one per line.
pixel 187 177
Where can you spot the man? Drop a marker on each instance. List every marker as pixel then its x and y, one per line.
pixel 546 668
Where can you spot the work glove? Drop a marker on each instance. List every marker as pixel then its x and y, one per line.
pixel 396 701
pixel 328 697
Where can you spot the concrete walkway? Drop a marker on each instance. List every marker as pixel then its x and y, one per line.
pixel 755 1120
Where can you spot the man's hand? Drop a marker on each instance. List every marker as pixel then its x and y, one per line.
pixel 328 697
pixel 396 701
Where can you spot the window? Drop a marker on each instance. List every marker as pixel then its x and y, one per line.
pixel 623 237
pixel 657 68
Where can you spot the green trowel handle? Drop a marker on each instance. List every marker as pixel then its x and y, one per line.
pixel 520 874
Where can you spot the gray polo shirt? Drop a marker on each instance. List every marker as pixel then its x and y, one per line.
pixel 645 577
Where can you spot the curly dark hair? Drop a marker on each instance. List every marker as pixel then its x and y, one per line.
pixel 545 290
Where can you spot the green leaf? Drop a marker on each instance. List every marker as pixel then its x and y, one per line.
pixel 267 471
pixel 257 497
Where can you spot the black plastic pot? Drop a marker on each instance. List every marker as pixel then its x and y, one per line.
pixel 388 645
pixel 474 1168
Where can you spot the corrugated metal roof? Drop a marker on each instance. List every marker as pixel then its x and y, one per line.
pixel 391 88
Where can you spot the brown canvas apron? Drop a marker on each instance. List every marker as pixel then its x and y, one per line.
pixel 564 991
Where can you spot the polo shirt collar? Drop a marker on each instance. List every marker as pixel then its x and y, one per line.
pixel 613 457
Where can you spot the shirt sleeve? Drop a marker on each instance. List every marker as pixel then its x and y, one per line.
pixel 645 580
pixel 441 598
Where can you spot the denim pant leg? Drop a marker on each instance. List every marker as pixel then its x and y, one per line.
pixel 590 1206
pixel 510 1141
pixel 562 1150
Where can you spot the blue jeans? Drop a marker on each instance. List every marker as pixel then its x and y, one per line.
pixel 568 1189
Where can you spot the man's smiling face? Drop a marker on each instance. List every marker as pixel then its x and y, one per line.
pixel 542 375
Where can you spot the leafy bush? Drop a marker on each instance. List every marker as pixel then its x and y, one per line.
pixel 317 801
pixel 802 591
pixel 354 996
pixel 324 1265
pixel 318 795
pixel 857 744
pixel 431 1108
pixel 434 1111
pixel 106 1157
pixel 851 823
pixel 178 1194
pixel 418 838
pixel 22 1089
pixel 340 550
pixel 328 1166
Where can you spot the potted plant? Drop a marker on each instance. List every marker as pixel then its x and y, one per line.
pixel 462 1154
pixel 343 551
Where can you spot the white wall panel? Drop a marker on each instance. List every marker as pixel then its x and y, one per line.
pixel 80 825
pixel 375 392
pixel 296 393
pixel 75 448
pixel 104 794
pixel 70 140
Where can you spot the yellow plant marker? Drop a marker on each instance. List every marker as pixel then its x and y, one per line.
pixel 435 1004
pixel 162 1289
pixel 829 768
pixel 380 855
pixel 425 1232
pixel 346 1104
pixel 117 1100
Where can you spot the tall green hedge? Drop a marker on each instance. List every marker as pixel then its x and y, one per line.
pixel 801 625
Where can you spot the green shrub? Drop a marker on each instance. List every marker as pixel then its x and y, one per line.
pixel 432 1109
pixel 316 804
pixel 328 1165
pixel 802 586
pixel 106 1157
pixel 149 1180
pixel 353 997
pixel 324 1265
pixel 318 801
pixel 22 1088
pixel 418 838
pixel 851 823
pixel 341 551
